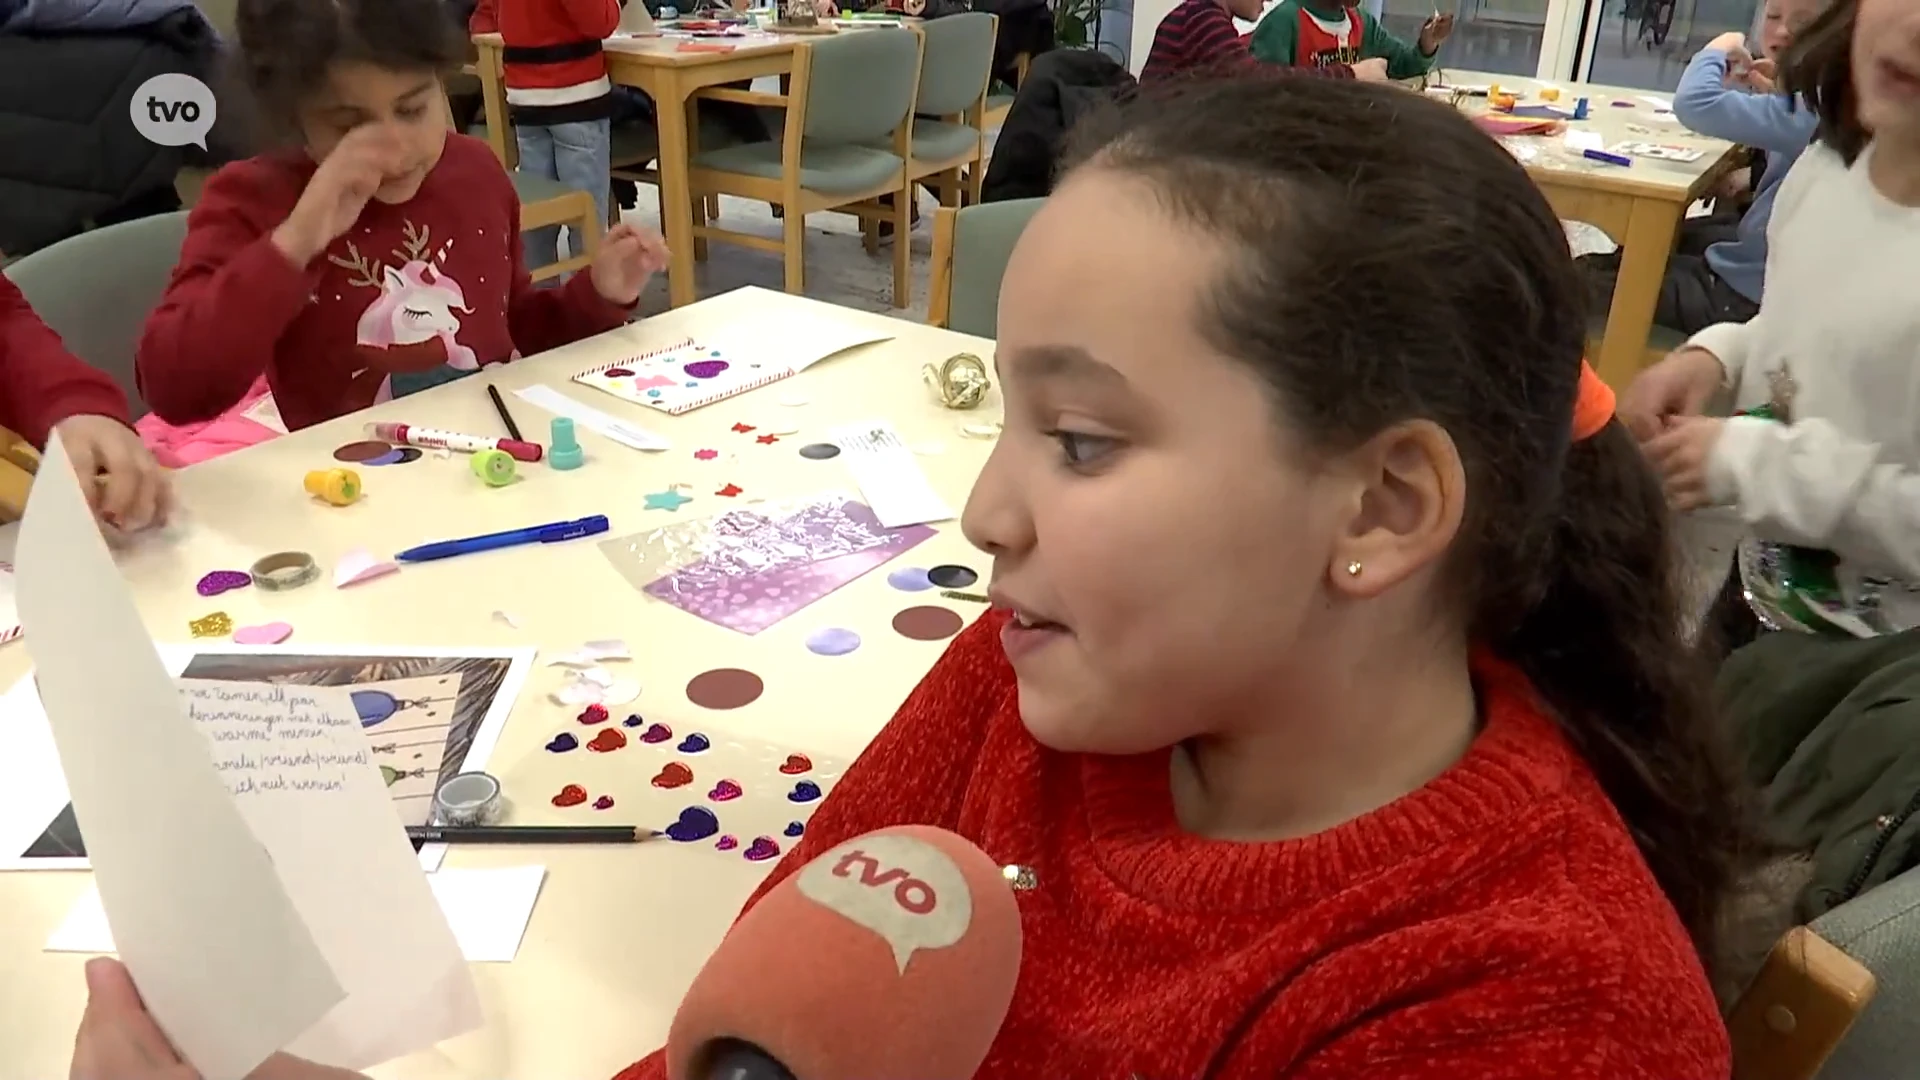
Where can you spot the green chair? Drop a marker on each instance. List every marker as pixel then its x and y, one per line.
pixel 970 251
pixel 847 93
pixel 949 130
pixel 96 289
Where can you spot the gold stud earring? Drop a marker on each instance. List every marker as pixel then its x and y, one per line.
pixel 1354 568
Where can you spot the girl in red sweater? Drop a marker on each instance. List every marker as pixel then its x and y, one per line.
pixel 376 255
pixel 1334 706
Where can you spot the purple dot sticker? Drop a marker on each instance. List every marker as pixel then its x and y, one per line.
pixel 706 369
pixel 832 641
pixel 694 823
pixel 910 579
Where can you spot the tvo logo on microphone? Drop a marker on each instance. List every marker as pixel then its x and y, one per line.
pixel 900 887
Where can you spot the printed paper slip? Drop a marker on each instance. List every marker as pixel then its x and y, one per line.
pixel 600 423
pixel 890 479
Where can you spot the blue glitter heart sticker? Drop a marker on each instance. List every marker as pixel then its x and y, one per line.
pixel 804 791
pixel 696 823
pixel 563 742
pixel 693 744
pixel 795 828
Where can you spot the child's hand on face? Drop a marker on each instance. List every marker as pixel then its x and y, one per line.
pixel 1435 32
pixel 129 490
pixel 339 190
pixel 628 258
pixel 1679 454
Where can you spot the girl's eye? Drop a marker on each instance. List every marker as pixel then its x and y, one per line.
pixel 413 112
pixel 1080 449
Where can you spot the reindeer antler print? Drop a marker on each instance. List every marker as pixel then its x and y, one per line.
pixel 366 272
pixel 415 249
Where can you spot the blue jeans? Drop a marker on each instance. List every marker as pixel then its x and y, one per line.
pixel 579 156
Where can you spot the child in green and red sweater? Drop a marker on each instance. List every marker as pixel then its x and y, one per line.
pixel 1318 33
pixel 1336 700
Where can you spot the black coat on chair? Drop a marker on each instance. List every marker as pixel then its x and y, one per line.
pixel 1062 88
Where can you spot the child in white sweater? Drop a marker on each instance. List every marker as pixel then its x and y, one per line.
pixel 1822 462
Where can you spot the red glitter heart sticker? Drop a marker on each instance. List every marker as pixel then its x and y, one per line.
pixel 673 776
pixel 730 490
pixel 743 428
pixel 609 739
pixel 571 795
pixel 594 714
pixel 796 764
pixel 725 791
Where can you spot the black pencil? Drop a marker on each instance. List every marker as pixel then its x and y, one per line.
pixel 500 406
pixel 529 834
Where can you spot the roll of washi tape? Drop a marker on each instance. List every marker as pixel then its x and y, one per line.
pixel 468 798
pixel 494 467
pixel 284 570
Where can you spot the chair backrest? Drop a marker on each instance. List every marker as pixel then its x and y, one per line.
pixel 97 289
pixel 1880 930
pixel 958 63
pixel 860 85
pixel 983 239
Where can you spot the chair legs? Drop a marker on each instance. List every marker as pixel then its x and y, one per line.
pixel 794 237
pixel 700 219
pixel 902 246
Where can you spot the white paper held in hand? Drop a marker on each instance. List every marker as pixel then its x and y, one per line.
pixel 252 868
pixel 890 478
pixel 222 958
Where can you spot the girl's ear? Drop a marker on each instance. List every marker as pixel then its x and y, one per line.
pixel 1410 500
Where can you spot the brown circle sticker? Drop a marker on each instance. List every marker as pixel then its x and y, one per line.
pixel 362 451
pixel 928 623
pixel 724 688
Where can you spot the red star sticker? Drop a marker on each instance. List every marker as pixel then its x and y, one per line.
pixel 743 428
pixel 767 440
pixel 729 491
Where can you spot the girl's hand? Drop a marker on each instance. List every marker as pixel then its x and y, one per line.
pixel 1680 385
pixel 628 258
pixel 1680 453
pixel 825 9
pixel 118 1040
pixel 1761 76
pixel 127 488
pixel 1372 69
pixel 339 190
pixel 1435 31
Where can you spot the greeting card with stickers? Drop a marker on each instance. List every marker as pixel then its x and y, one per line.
pixel 687 374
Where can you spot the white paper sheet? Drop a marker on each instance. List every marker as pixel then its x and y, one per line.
pixel 603 424
pixel 9 610
pixel 889 477
pixel 222 958
pixel 488 909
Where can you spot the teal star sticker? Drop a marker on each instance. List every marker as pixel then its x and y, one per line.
pixel 667 500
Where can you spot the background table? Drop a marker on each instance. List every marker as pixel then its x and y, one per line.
pixel 619 932
pixel 1640 206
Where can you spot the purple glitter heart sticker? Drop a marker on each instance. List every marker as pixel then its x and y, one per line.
pixel 696 823
pixel 762 849
pixel 706 369
pixel 563 742
pixel 220 581
pixel 726 843
pixel 656 733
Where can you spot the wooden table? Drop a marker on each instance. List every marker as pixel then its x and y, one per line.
pixel 618 933
pixel 671 77
pixel 1640 206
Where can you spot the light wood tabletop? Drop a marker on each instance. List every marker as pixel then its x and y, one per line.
pixel 1640 206
pixel 618 932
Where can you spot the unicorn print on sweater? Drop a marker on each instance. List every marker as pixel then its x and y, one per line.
pixel 407 337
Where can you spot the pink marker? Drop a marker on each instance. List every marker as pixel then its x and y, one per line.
pixel 432 439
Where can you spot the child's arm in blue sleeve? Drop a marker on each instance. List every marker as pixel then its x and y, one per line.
pixel 1705 104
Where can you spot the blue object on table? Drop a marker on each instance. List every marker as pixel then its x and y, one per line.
pixel 538 534
pixel 1602 155
pixel 1580 109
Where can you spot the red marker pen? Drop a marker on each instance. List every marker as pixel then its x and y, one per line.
pixel 432 439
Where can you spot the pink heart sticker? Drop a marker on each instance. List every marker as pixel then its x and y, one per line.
pixel 272 633
pixel 359 565
pixel 724 791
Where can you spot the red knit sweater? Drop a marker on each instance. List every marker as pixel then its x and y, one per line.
pixel 1497 924
pixel 41 383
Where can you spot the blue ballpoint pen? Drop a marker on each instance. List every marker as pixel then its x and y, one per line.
pixel 538 534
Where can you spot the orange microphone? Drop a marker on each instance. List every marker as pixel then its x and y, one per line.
pixel 891 957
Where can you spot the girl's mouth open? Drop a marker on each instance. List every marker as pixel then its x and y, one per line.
pixel 1023 634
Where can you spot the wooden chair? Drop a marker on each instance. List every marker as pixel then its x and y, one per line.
pixel 998 105
pixel 543 202
pixel 970 251
pixel 847 92
pixel 1797 1009
pixel 19 461
pixel 949 128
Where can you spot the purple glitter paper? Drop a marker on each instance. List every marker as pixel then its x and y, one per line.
pixel 751 602
pixel 219 581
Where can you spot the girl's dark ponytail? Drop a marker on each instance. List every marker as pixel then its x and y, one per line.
pixel 1819 68
pixel 1604 646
